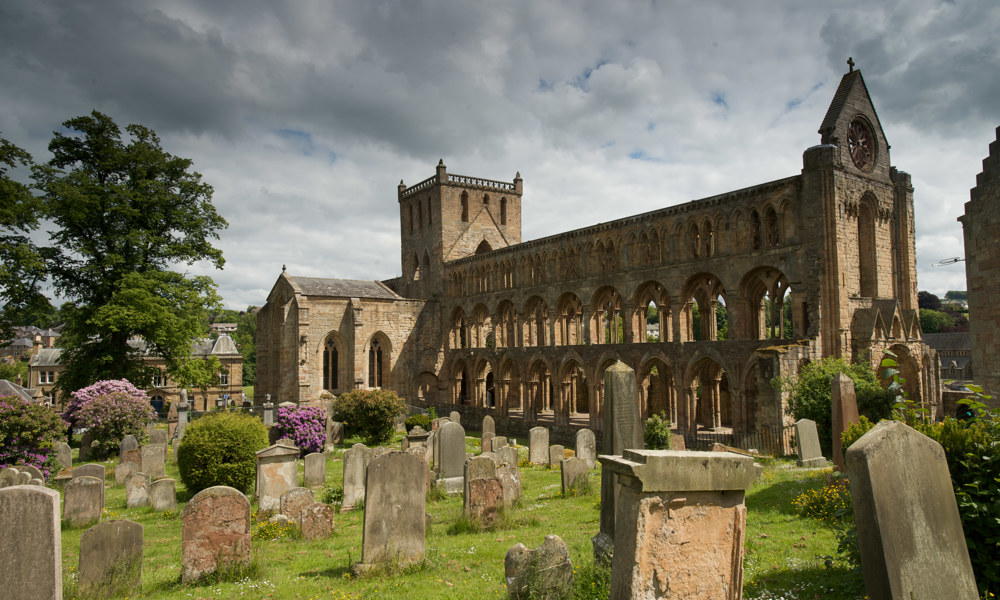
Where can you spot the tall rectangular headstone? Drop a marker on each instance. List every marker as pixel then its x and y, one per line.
pixel 64 455
pixel 538 446
pixel 356 461
pixel 489 425
pixel 395 510
pixel 586 447
pixel 111 559
pixel 574 474
pixel 315 469
pixel 215 532
pixel 807 445
pixel 31 539
pixel 92 470
pixel 153 457
pixel 478 501
pixel 163 495
pixel 276 474
pixel 451 444
pixel 909 529
pixel 83 501
pixel 844 404
pixel 622 424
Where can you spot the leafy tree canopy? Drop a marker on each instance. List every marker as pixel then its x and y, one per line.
pixel 935 321
pixel 929 301
pixel 20 263
pixel 123 214
pixel 957 295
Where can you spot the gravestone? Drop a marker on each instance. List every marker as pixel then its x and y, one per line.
pixel 417 437
pixel 586 447
pixel 182 416
pixel 317 521
pixel 622 424
pixel 556 453
pixel 9 477
pixel 451 443
pixel 128 443
pixel 844 406
pixel 31 539
pixel 510 481
pixel 399 425
pixel 909 529
pixel 276 474
pixel 86 442
pixel 64 455
pixel 215 532
pixel 356 461
pixel 455 417
pixel 123 470
pixel 335 433
pixel 153 457
pixel 395 511
pixel 111 559
pixel 538 446
pixel 172 418
pixel 137 490
pixel 92 470
pixel 315 469
pixel 175 446
pixel 483 491
pixel 489 426
pixel 83 501
pixel 163 495
pixel 508 454
pixel 432 442
pixel 158 436
pixel 36 481
pixel 133 456
pixel 421 453
pixel 499 441
pixel 486 442
pixel 268 414
pixel 681 519
pixel 23 477
pixel 574 474
pixel 546 569
pixel 33 472
pixel 294 501
pixel 807 444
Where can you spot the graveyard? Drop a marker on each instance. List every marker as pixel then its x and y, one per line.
pixel 786 555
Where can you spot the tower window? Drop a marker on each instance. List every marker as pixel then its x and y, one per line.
pixel 503 211
pixel 465 207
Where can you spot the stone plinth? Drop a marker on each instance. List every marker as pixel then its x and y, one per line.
pixel 679 524
pixel 276 474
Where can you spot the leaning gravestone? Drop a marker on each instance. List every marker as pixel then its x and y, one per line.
pixel 111 559
pixel 315 469
pixel 574 474
pixel 844 406
pixel 137 490
pixel 123 470
pixel 276 474
pixel 909 529
pixel 83 502
pixel 489 426
pixel 451 449
pixel 64 455
pixel 395 511
pixel 294 501
pixel 163 495
pixel 335 433
pixel 356 461
pixel 316 521
pixel 545 571
pixel 556 453
pixel 586 447
pixel 153 457
pixel 538 446
pixel 31 540
pixel 810 454
pixel 215 532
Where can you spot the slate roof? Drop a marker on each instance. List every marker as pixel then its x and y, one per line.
pixel 224 345
pixel 8 388
pixel 343 288
pixel 949 342
pixel 46 357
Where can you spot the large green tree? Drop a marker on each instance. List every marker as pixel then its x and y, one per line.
pixel 124 215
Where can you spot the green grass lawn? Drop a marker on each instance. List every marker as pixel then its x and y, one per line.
pixel 787 557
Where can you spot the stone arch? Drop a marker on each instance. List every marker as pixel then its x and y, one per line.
pixel 425 266
pixel 484 390
pixel 483 247
pixel 535 328
pixel 651 293
pixel 510 386
pixel 574 389
pixel 707 234
pixel 539 388
pixel 459 331
pixel 693 240
pixel 481 331
pixel 503 210
pixel 427 387
pixel 506 325
pixel 737 231
pixel 909 368
pixel 787 214
pixel 460 384
pixel 335 363
pixel 486 200
pixel 867 253
pixel 704 291
pixel 569 320
pixel 607 322
pixel 756 237
pixel 378 366
pixel 657 388
pixel 707 389
pixel 765 291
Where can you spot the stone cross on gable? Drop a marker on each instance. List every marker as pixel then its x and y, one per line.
pixel 850 63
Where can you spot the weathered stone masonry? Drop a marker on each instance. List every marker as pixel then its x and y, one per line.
pixel 817 264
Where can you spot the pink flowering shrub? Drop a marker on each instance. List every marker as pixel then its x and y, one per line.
pixel 305 425
pixel 101 388
pixel 27 434
pixel 113 415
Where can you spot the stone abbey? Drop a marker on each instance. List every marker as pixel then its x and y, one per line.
pixel 747 286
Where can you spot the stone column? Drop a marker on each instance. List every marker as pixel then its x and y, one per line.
pixel 680 518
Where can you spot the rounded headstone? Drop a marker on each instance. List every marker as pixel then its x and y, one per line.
pixel 215 532
pixel 317 521
pixel 163 495
pixel 83 501
pixel 294 501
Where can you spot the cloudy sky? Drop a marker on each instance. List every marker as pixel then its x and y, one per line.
pixel 305 115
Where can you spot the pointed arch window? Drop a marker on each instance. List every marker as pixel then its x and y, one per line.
pixel 465 207
pixel 503 211
pixel 375 365
pixel 331 365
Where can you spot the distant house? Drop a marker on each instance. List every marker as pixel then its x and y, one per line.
pixel 9 388
pixel 954 352
pixel 223 327
pixel 46 366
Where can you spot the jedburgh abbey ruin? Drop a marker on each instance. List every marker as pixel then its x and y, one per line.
pixel 524 330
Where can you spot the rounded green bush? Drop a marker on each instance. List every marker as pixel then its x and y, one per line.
pixel 422 420
pixel 218 449
pixel 369 413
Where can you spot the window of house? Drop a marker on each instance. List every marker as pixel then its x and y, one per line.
pixel 224 378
